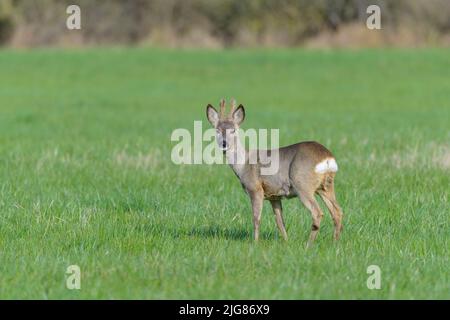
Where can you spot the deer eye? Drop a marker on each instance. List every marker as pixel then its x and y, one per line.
pixel 232 130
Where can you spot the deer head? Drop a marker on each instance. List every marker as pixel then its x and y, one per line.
pixel 227 126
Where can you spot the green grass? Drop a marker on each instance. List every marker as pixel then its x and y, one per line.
pixel 86 176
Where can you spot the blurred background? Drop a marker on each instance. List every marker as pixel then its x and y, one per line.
pixel 225 23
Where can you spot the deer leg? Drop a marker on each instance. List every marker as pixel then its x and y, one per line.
pixel 311 204
pixel 278 211
pixel 329 198
pixel 257 199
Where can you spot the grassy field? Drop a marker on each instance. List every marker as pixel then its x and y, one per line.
pixel 86 176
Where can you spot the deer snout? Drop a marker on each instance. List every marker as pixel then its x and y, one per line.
pixel 222 143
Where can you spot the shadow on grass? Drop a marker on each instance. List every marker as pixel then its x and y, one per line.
pixel 226 233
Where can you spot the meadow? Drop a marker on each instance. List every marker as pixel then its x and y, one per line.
pixel 86 177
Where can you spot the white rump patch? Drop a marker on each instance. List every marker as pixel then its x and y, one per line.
pixel 327 165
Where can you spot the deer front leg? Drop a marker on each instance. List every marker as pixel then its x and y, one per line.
pixel 278 211
pixel 257 199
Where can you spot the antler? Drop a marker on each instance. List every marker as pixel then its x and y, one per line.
pixel 233 106
pixel 222 108
pixel 223 111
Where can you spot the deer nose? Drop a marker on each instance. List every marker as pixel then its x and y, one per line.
pixel 224 144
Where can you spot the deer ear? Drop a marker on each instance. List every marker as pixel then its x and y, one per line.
pixel 239 115
pixel 212 115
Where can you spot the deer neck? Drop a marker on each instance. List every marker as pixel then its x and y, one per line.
pixel 237 158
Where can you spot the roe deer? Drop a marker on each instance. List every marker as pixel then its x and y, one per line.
pixel 304 169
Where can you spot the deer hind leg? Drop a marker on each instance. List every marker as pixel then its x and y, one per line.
pixel 328 196
pixel 306 196
pixel 278 211
pixel 311 204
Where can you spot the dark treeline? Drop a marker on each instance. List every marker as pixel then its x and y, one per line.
pixel 224 23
